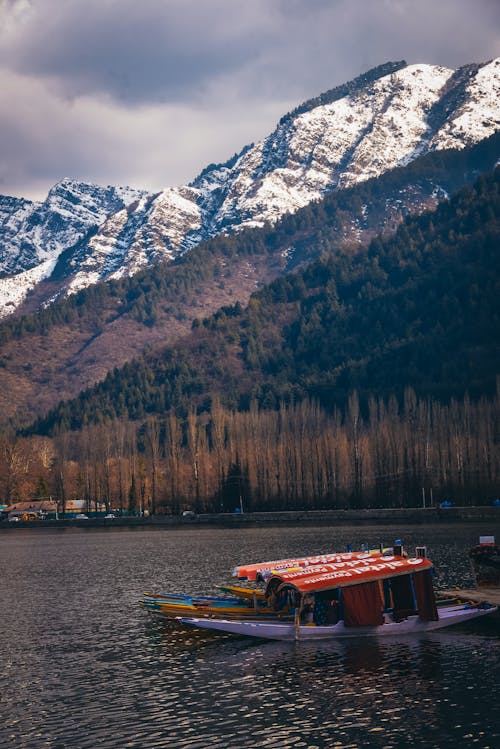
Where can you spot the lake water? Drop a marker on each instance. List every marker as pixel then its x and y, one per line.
pixel 83 666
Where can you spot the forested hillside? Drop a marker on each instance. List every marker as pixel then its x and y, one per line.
pixel 72 344
pixel 419 309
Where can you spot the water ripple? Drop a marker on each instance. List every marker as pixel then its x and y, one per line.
pixel 84 667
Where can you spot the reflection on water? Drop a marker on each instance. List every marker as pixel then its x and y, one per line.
pixel 84 666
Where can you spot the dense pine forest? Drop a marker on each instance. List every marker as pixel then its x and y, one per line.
pixel 419 309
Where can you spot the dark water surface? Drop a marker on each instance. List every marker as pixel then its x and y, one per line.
pixel 82 665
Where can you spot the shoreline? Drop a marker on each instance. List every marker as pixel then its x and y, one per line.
pixel 390 516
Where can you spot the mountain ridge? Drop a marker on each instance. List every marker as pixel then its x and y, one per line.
pixel 385 118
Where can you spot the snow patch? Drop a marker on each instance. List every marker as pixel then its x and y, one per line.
pixel 14 289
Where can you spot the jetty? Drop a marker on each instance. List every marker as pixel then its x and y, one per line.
pixel 477 595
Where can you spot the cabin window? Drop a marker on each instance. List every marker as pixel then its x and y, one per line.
pixel 424 593
pixel 402 597
pixel 362 605
pixel 326 607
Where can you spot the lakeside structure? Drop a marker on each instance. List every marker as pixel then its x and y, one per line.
pixel 49 509
pixel 487 515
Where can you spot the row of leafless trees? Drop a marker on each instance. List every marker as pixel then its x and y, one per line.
pixel 300 457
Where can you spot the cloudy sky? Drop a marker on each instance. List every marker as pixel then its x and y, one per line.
pixel 148 93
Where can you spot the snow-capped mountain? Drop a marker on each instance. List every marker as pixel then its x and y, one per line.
pixel 383 119
pixel 33 235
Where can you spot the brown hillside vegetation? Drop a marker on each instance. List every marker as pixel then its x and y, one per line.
pixel 41 369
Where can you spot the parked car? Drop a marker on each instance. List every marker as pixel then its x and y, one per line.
pixel 188 514
pixel 14 519
pixel 32 516
pixel 81 516
pixel 109 516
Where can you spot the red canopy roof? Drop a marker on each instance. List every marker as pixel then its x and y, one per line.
pixel 250 571
pixel 344 573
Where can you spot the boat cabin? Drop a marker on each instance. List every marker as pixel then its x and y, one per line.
pixel 360 592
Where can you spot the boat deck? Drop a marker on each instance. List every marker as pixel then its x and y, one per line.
pixel 490 594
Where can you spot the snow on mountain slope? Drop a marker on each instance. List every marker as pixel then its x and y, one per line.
pixel 33 235
pixel 381 120
pixel 40 231
pixel 13 211
pixel 478 115
pixel 147 231
pixel 376 128
pixel 335 146
pixel 396 133
pixel 14 217
pixel 14 289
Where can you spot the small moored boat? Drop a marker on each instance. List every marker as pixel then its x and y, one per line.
pixel 246 602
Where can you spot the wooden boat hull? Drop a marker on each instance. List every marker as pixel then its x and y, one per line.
pixel 276 630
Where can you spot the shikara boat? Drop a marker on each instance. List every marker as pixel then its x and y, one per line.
pixel 245 602
pixel 370 595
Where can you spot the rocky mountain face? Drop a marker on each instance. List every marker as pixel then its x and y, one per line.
pixel 383 119
pixel 33 236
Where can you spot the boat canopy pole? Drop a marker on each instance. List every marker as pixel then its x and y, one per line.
pixel 412 586
pixel 298 614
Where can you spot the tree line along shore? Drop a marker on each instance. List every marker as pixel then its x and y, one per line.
pixel 300 457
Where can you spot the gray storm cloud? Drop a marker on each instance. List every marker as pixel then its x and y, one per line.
pixel 136 53
pixel 148 93
pixel 157 51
